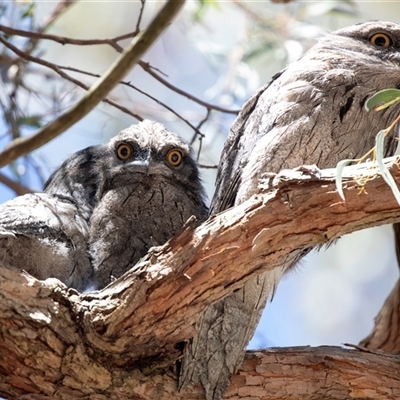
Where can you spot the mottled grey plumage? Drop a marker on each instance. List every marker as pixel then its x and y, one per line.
pixel 311 113
pixel 144 198
pixel 141 202
pixel 78 179
pixel 46 237
pixel 46 234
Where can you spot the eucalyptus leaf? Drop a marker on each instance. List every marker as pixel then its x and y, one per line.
pixel 31 120
pixel 339 176
pixel 387 104
pixel 383 98
pixel 204 5
pixel 380 145
pixel 28 11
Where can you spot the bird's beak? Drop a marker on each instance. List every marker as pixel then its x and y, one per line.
pixel 148 167
pixel 140 166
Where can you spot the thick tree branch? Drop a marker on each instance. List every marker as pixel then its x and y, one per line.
pixel 119 342
pixel 273 374
pixel 324 372
pixel 98 91
pixel 203 265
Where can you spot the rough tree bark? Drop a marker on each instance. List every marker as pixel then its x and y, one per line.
pixel 122 342
pixel 386 333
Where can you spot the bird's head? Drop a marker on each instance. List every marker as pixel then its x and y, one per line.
pixel 148 153
pixel 379 39
pixel 373 47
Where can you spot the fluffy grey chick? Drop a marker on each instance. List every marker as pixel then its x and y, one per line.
pixel 46 233
pixel 77 180
pixel 46 237
pixel 312 112
pixel 150 187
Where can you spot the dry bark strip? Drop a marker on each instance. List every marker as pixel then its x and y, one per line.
pixel 120 342
pixel 386 333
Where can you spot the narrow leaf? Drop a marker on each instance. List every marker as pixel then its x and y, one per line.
pixel 339 176
pixel 386 105
pixel 28 11
pixel 386 96
pixel 380 145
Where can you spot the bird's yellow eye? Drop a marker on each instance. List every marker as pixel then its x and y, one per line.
pixel 124 151
pixel 174 157
pixel 381 40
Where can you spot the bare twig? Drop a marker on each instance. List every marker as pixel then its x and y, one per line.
pixel 15 186
pixel 113 43
pixel 139 19
pixel 61 7
pixel 59 70
pixel 208 166
pixel 164 105
pixel 12 112
pixel 97 92
pixel 129 84
pixel 198 133
pixel 63 40
pixel 148 68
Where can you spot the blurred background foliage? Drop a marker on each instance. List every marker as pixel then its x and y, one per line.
pixel 219 52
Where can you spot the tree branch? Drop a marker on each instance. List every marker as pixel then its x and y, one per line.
pixel 98 91
pixel 18 188
pixel 120 342
pixel 59 70
pixel 64 40
pixel 60 9
pixel 129 84
pixel 220 255
pixel 113 42
pixel 386 333
pixel 317 373
pixel 149 69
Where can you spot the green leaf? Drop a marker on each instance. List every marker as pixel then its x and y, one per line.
pixel 388 178
pixel 382 99
pixel 339 176
pixel 31 120
pixel 203 7
pixel 29 10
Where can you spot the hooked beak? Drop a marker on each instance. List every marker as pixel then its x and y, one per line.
pixel 140 166
pixel 149 167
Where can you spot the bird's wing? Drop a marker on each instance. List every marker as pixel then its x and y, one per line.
pixel 38 214
pixel 31 214
pixel 77 180
pixel 45 237
pixel 312 113
pixel 226 325
pixel 234 155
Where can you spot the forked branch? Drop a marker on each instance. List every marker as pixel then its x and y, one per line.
pixel 122 340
